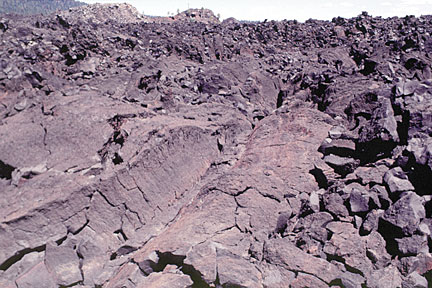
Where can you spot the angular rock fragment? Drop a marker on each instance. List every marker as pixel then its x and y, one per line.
pixel 37 276
pixel 283 253
pixel 415 280
pixel 413 245
pixel 63 263
pixel 405 215
pixel 359 200
pixel 341 165
pixel 397 181
pixel 388 276
pixel 339 147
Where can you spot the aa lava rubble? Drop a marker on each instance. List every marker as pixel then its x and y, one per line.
pixel 186 152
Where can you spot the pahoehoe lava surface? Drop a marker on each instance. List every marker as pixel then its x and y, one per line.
pixel 186 152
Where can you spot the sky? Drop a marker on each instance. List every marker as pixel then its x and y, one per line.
pixel 301 10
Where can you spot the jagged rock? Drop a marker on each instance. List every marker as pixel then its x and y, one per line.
pixel 314 201
pixel 371 175
pixel 397 181
pixel 413 245
pixel 339 147
pixel 371 221
pixel 281 252
pixel 415 280
pixel 386 277
pixel 235 271
pixel 334 203
pixel 27 262
pixel 37 276
pixel 382 194
pixel 376 250
pixel 347 246
pixel 341 165
pixel 358 198
pixel 63 263
pixel 181 151
pixel 405 215
pixel 311 232
pixel 352 280
pixel 166 280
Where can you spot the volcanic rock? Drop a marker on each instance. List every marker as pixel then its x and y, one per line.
pixel 180 151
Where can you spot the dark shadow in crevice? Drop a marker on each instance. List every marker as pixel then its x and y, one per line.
pixel 281 96
pixel 390 233
pixel 320 178
pixel 6 171
pixel 117 159
pixel 168 258
pixel 19 255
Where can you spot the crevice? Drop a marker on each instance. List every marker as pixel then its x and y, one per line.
pixel 61 240
pixel 390 233
pixel 239 193
pixel 19 255
pixel 135 213
pixel 81 228
pixel 121 234
pixel 220 146
pixel 272 197
pixel 337 283
pixel 118 137
pixel 340 259
pixel 123 250
pixel 106 199
pixel 117 159
pixel 80 266
pixel 320 178
pixel 45 138
pixel 281 96
pixel 167 258
pixel 6 170
pixel 428 276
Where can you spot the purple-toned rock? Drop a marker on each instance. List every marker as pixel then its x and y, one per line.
pixel 397 181
pixel 405 215
pixel 64 264
pixel 38 276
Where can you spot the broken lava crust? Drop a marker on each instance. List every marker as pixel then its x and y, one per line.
pixel 186 152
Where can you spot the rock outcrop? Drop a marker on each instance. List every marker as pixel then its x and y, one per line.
pixel 186 152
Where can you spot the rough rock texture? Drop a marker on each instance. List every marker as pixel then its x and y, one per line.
pixel 185 152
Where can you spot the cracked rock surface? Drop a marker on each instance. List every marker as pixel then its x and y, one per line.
pixel 188 152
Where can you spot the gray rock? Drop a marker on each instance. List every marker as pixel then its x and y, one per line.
pixel 64 264
pixel 334 204
pixel 314 201
pixel 406 214
pixel 339 147
pixel 371 221
pixel 359 200
pixel 386 277
pixel 413 245
pixel 341 165
pixel 415 280
pixel 166 280
pixel 38 276
pixel 397 181
pixel 283 253
pixel 371 175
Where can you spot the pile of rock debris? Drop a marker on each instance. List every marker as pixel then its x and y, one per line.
pixel 188 152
